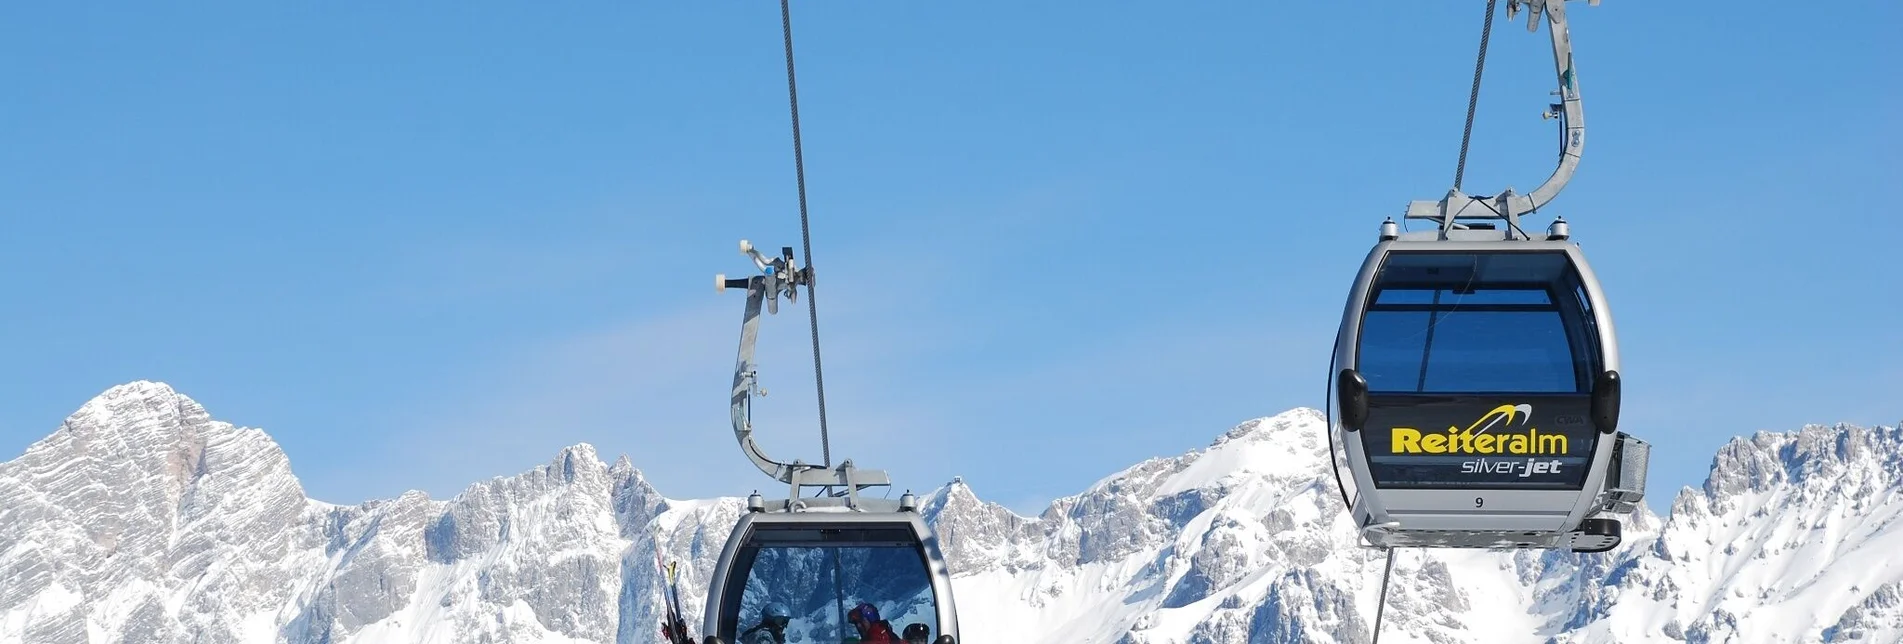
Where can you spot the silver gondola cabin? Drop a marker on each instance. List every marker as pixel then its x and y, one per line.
pixel 1475 385
pixel 813 564
pixel 1477 396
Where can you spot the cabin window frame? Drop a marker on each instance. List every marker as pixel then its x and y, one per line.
pixel 1566 296
pixel 831 541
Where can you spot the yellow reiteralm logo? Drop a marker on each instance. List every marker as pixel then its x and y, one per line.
pixel 1476 440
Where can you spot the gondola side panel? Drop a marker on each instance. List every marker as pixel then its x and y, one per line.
pixel 1520 441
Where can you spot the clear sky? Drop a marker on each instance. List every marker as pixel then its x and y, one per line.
pixel 427 244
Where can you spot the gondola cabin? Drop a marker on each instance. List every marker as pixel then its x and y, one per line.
pixel 1476 397
pixel 839 567
pixel 819 566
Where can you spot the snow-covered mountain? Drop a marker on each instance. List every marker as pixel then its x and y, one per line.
pixel 142 519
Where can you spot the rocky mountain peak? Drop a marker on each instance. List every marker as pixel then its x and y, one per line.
pixel 1816 461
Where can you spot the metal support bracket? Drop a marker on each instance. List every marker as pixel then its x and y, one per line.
pixel 1509 205
pixel 781 276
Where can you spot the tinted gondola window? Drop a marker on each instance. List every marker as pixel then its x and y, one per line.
pixel 1465 322
pixel 1391 348
pixel 820 585
pixel 1499 351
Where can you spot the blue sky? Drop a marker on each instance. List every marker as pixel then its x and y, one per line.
pixel 427 245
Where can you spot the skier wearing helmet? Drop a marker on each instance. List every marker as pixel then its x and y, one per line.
pixel 872 630
pixel 772 626
pixel 916 633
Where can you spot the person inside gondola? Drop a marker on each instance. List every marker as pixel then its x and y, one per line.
pixel 772 626
pixel 917 633
pixel 872 630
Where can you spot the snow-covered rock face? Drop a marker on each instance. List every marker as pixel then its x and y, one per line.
pixel 124 521
pixel 1795 537
pixel 143 520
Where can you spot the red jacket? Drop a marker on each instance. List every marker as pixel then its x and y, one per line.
pixel 881 633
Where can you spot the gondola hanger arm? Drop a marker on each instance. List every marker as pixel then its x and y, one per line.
pixel 778 277
pixel 1509 204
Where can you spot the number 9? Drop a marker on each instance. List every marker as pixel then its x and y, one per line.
pixel 1480 502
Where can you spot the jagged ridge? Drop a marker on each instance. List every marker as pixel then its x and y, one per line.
pixel 142 519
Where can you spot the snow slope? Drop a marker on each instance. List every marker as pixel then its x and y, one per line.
pixel 141 519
